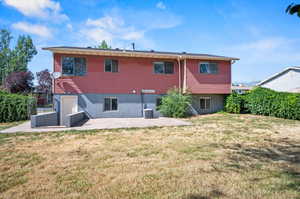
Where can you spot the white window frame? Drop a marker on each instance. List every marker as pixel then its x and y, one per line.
pixel 68 75
pixel 110 104
pixel 205 105
pixel 208 63
pixel 111 60
pixel 164 67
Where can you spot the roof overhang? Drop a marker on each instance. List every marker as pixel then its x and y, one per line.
pixel 126 53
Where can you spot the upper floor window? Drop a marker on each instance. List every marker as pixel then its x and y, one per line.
pixel 163 67
pixel 111 65
pixel 208 68
pixel 74 66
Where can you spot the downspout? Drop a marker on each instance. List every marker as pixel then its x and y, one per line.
pixel 184 77
pixel 179 66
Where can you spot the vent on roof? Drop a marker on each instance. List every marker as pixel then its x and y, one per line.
pixel 183 52
pixel 151 50
pixel 117 49
pixel 89 47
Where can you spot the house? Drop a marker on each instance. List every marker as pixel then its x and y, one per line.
pixel 240 88
pixel 287 80
pixel 121 83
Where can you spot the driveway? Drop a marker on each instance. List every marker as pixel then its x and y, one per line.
pixel 103 123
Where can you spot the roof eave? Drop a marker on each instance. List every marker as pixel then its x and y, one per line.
pixel 122 53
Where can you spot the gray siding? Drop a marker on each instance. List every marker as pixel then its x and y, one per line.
pixel 129 105
pixel 44 119
pixel 217 103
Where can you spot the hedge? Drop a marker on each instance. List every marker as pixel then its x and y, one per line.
pixel 264 101
pixel 14 107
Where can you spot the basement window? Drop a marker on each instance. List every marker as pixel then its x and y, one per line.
pixel 111 65
pixel 110 104
pixel 205 103
pixel 163 67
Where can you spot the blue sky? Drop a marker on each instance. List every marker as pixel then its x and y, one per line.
pixel 260 33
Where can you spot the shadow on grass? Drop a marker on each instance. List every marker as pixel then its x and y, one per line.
pixel 213 194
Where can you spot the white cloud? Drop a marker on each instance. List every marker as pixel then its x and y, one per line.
pixel 161 5
pixel 44 9
pixel 39 30
pixel 112 29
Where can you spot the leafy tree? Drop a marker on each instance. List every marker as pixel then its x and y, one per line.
pixel 293 8
pixel 19 82
pixel 5 52
pixel 44 81
pixel 16 59
pixel 103 45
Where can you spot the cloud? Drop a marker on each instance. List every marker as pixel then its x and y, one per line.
pixel 38 30
pixel 44 9
pixel 161 5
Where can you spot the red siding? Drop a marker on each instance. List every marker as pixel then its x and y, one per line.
pixel 137 74
pixel 134 74
pixel 209 83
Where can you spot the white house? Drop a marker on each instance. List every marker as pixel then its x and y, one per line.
pixel 287 80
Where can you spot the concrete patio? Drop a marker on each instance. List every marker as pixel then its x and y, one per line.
pixel 103 123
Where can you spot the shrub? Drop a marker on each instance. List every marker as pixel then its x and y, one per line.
pixel 263 101
pixel 234 103
pixel 175 104
pixel 14 107
pixel 19 82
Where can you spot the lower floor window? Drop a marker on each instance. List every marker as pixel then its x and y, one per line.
pixel 205 102
pixel 110 104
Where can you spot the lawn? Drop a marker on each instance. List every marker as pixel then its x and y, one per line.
pixel 220 156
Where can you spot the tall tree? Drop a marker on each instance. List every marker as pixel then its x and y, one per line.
pixel 19 82
pixel 5 38
pixel 17 59
pixel 293 8
pixel 44 81
pixel 103 45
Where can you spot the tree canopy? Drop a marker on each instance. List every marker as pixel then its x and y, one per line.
pixel 19 82
pixel 293 8
pixel 103 45
pixel 14 59
pixel 44 81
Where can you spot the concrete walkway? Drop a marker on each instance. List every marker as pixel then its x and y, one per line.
pixel 103 123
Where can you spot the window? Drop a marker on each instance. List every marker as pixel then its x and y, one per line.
pixel 205 103
pixel 75 66
pixel 208 68
pixel 111 65
pixel 163 67
pixel 110 104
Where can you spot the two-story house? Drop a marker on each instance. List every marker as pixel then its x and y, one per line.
pixel 121 83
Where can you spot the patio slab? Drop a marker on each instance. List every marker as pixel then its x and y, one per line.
pixel 103 123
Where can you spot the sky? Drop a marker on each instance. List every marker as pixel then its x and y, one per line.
pixel 260 33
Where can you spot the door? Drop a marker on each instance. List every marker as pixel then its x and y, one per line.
pixel 68 105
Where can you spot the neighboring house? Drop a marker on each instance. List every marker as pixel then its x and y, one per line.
pixel 121 83
pixel 241 89
pixel 287 80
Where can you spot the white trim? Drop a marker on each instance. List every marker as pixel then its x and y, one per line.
pixel 205 98
pixel 61 99
pixel 278 74
pixel 110 104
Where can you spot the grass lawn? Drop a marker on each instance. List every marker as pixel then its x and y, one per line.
pixel 220 156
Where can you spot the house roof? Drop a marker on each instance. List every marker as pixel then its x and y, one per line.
pixel 136 53
pixel 278 74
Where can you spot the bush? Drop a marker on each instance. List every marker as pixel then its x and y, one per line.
pixel 234 103
pixel 14 107
pixel 175 104
pixel 263 101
